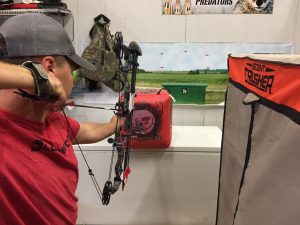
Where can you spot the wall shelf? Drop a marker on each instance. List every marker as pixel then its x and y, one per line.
pixel 61 15
pixel 11 12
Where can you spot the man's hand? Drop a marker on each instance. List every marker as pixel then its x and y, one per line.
pixel 94 132
pixel 120 120
pixel 47 86
pixel 58 93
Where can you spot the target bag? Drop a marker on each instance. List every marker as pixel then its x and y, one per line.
pixel 152 120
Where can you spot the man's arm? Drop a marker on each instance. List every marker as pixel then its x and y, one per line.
pixel 13 77
pixel 94 132
pixel 18 77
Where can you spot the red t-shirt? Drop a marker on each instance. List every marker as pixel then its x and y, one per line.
pixel 38 171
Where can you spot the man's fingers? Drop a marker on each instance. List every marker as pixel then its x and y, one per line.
pixel 58 91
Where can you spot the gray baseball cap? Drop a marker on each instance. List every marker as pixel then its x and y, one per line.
pixel 34 34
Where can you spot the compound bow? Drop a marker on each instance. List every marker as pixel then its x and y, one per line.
pixel 123 108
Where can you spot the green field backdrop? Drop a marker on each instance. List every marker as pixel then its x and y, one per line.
pixel 216 81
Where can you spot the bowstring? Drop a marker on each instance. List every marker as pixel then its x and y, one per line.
pixel 90 171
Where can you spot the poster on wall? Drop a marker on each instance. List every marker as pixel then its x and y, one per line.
pixel 188 7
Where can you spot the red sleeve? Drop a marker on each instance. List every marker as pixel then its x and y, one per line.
pixel 71 126
pixel 74 127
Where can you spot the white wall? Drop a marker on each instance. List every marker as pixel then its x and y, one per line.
pixel 142 21
pixel 296 39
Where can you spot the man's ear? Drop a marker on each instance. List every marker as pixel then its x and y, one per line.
pixel 48 62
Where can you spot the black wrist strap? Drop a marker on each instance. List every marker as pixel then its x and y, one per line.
pixel 43 89
pixel 25 94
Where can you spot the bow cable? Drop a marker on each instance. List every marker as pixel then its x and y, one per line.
pixel 90 171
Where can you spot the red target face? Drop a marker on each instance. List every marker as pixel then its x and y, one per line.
pixel 142 121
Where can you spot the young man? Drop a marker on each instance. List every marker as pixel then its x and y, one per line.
pixel 38 168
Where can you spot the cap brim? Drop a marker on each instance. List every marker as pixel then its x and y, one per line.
pixel 81 62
